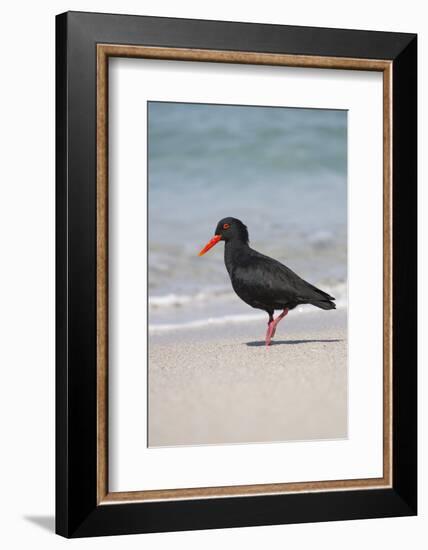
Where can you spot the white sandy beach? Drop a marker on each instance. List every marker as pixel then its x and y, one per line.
pixel 220 384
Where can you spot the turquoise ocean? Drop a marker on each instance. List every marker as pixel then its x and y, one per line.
pixel 282 171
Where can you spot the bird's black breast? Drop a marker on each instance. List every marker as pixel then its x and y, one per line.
pixel 255 280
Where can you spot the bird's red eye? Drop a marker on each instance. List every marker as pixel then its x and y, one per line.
pixel 226 226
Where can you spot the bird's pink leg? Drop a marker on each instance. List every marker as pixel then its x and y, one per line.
pixel 269 331
pixel 277 320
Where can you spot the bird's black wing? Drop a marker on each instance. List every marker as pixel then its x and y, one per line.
pixel 267 281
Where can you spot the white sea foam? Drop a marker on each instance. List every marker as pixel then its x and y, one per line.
pixel 222 320
pixel 178 300
pixel 156 328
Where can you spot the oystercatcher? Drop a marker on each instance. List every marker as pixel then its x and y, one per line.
pixel 260 281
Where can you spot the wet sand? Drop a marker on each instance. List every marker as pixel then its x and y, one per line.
pixel 221 385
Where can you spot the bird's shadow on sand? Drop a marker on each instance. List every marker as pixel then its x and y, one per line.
pixel 259 343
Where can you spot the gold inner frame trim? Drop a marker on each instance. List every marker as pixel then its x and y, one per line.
pixel 104 51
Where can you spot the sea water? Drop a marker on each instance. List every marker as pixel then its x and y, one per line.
pixel 282 171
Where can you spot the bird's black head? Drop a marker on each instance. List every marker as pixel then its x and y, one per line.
pixel 232 229
pixel 228 229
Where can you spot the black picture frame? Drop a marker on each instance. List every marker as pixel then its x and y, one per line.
pixel 77 511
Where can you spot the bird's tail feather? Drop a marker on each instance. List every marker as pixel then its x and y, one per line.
pixel 324 304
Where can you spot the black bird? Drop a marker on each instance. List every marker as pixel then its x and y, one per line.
pixel 260 281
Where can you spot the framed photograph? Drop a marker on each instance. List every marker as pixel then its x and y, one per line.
pixel 236 274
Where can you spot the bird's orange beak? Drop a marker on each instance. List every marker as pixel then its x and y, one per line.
pixel 210 244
